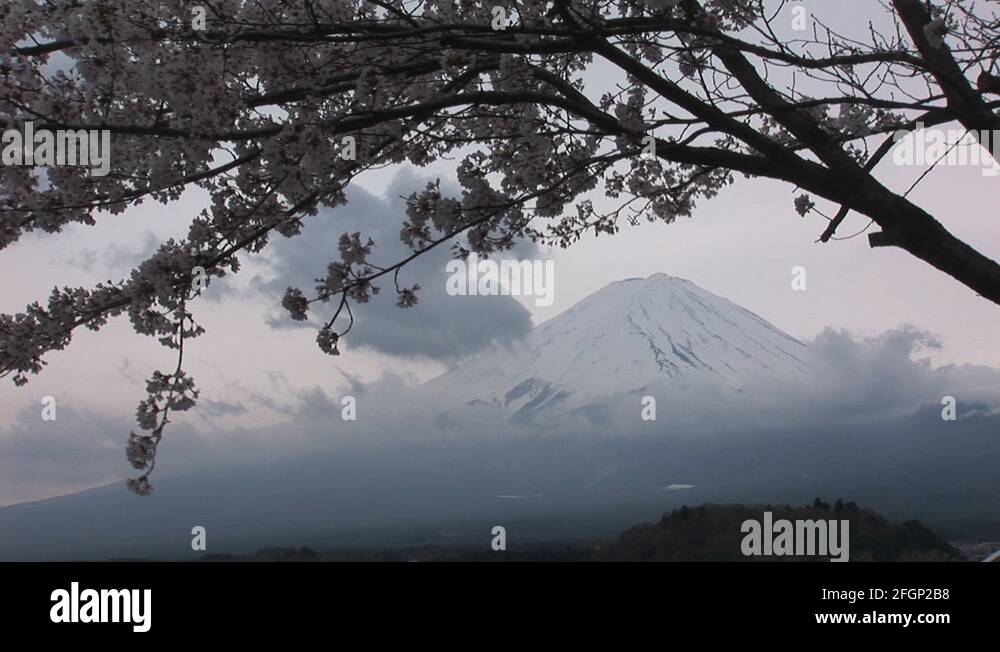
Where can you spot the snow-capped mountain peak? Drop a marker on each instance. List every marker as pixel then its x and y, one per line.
pixel 625 337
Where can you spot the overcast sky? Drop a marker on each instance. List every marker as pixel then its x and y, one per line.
pixel 742 245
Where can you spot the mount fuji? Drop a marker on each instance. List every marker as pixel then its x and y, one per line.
pixel 578 480
pixel 627 338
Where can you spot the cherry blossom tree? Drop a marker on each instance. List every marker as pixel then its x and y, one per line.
pixel 553 111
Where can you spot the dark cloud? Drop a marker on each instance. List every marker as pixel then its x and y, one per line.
pixel 310 405
pixel 315 405
pixel 86 447
pixel 439 326
pixel 211 408
pixel 79 446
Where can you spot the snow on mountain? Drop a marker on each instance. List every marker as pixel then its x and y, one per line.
pixel 625 338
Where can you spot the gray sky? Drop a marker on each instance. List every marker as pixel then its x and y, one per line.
pixel 742 246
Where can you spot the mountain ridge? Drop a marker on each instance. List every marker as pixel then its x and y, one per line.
pixel 624 338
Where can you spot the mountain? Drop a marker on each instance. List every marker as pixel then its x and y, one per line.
pixel 625 339
pixel 451 482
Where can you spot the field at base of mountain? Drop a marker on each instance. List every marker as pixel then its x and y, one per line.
pixel 689 534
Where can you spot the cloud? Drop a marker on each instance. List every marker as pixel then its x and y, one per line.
pixel 867 383
pixel 79 446
pixel 856 379
pixel 115 260
pixel 851 380
pixel 440 326
pixel 211 408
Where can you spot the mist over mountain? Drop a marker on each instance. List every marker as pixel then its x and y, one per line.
pixel 545 437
